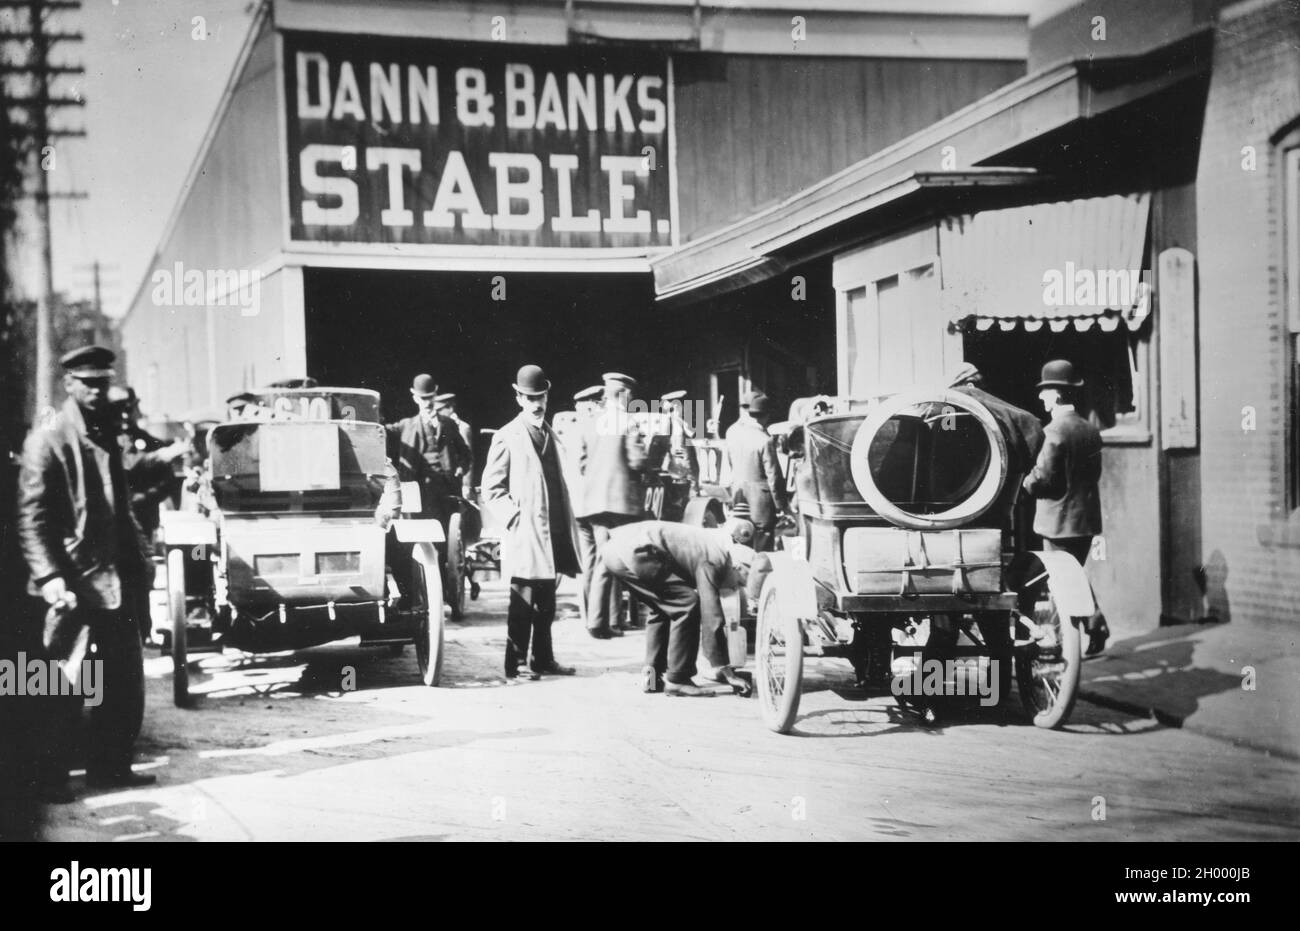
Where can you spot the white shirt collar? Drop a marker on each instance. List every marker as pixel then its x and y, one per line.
pixel 1061 410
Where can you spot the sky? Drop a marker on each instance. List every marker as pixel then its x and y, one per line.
pixel 151 90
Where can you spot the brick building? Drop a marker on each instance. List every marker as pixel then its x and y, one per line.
pixel 1248 228
pixel 1161 136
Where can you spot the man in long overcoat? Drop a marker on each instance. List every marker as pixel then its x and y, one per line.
pixel 524 485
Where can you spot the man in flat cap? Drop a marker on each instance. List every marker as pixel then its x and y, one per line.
pixel 1023 435
pixel 85 556
pixel 427 449
pixel 523 484
pixel 610 459
pixel 756 477
pixel 1065 478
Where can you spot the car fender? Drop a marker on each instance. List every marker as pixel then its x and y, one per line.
pixel 415 530
pixel 1068 583
pixel 796 591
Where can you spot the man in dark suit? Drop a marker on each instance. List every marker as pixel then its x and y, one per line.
pixel 1065 478
pixel 427 449
pixel 523 483
pixel 610 459
pixel 85 555
pixel 680 573
pixel 756 477
pixel 444 405
pixel 1023 435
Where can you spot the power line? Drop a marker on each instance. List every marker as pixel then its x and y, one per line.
pixel 36 40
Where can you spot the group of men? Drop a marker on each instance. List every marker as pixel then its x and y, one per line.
pixel 576 507
pixel 568 507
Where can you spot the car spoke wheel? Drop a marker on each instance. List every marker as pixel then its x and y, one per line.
pixel 177 613
pixel 426 595
pixel 1047 668
pixel 778 661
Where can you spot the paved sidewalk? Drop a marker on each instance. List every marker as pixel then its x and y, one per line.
pixel 1198 677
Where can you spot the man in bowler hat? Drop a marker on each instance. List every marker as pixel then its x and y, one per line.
pixel 86 558
pixel 523 484
pixel 427 449
pixel 1064 479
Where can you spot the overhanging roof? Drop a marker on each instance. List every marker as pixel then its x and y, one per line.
pixel 794 230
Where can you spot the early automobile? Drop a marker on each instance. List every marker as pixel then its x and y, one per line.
pixel 284 548
pixel 910 566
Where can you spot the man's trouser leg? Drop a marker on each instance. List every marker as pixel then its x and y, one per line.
pixel 603 603
pixel 115 722
pixel 713 641
pixel 532 610
pixel 543 615
pixel 586 564
pixel 762 511
pixel 1079 548
pixel 672 634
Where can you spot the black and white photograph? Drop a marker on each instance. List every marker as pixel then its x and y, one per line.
pixel 409 404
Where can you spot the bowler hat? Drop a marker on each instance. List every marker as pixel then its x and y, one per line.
pixel 532 380
pixel 756 402
pixel 424 386
pixel 1059 373
pixel 89 362
pixel 627 381
pixel 589 394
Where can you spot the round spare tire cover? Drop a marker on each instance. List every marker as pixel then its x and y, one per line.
pixel 962 512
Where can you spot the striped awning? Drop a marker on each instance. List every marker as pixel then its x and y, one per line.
pixel 1071 263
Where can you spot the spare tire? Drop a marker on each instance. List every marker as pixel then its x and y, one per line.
pixel 926 477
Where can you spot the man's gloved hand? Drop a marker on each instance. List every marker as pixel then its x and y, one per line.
pixel 56 591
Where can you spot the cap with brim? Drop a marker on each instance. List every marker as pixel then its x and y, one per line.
pixel 588 394
pixel 626 381
pixel 445 398
pixel 755 402
pixel 672 396
pixel 89 362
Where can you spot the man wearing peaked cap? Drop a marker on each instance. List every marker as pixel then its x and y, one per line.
pixel 1065 478
pixel 523 484
pixel 89 362
pixel 445 405
pixel 618 378
pixel 574 428
pixel 610 459
pixel 86 558
pixel 678 459
pixel 756 477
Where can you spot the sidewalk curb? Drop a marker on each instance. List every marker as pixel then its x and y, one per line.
pixel 1175 721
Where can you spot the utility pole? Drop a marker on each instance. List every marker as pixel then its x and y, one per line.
pixel 38 133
